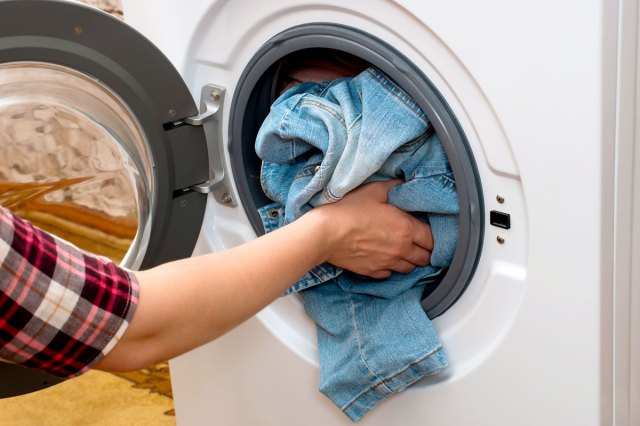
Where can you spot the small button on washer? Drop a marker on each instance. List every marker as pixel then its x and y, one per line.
pixel 500 219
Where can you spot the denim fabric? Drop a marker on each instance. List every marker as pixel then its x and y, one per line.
pixel 320 141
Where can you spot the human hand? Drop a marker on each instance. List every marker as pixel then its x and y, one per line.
pixel 370 237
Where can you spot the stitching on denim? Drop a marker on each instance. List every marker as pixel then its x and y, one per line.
pixel 396 91
pixel 413 324
pixel 447 178
pixel 418 140
pixel 283 120
pixel 326 108
pixel 264 181
pixel 432 170
pixel 384 381
pixel 325 272
pixel 327 85
pixel 359 340
pixel 329 196
pixel 307 171
pixel 281 131
pixel 392 87
pixel 324 90
pixel 355 120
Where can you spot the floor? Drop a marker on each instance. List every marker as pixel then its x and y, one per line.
pixel 138 399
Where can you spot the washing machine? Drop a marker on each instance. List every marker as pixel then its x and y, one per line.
pixel 535 105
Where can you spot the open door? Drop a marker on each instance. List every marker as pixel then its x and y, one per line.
pixel 117 144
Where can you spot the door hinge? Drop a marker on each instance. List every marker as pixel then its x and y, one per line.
pixel 219 184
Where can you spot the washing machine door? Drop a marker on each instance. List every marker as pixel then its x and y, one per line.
pixel 101 141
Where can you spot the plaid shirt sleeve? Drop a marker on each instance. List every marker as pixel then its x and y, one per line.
pixel 61 309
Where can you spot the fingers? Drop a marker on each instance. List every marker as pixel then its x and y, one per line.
pixel 388 184
pixel 380 275
pixel 408 226
pixel 403 267
pixel 377 238
pixel 422 235
pixel 380 190
pixel 410 246
pixel 418 256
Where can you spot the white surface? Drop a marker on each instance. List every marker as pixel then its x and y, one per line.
pixel 533 86
pixel 626 379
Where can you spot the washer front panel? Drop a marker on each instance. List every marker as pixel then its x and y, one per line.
pixel 532 326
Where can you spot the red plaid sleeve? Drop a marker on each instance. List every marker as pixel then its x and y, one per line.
pixel 61 309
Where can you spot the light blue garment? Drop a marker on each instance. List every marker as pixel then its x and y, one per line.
pixel 320 141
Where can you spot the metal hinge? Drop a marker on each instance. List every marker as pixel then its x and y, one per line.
pixel 211 100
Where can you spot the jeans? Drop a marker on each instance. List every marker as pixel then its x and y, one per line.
pixel 320 141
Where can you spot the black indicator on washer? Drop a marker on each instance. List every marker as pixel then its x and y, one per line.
pixel 499 219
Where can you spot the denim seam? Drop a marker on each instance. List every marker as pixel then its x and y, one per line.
pixel 264 182
pixel 324 90
pixel 413 323
pixel 418 140
pixel 360 349
pixel 281 128
pixel 335 114
pixel 307 171
pixel 327 85
pixel 400 95
pixel 353 123
pixel 445 177
pixel 389 378
pixel 329 196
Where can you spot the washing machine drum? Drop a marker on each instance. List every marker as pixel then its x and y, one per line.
pixel 102 143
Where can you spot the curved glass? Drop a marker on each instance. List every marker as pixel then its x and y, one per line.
pixel 74 161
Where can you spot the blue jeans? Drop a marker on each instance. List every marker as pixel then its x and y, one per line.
pixel 320 141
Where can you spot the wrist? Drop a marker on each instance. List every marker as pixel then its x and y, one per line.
pixel 323 232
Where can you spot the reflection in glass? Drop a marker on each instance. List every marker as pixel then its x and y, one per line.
pixel 74 161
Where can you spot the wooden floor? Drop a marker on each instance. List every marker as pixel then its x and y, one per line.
pixel 134 399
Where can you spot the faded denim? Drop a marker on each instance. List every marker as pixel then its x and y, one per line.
pixel 320 141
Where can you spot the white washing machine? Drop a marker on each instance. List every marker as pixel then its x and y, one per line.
pixel 535 104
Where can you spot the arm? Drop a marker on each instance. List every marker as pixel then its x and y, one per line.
pixel 190 302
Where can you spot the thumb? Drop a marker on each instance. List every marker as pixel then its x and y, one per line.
pixel 382 188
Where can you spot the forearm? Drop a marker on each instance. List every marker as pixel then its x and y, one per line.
pixel 187 303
